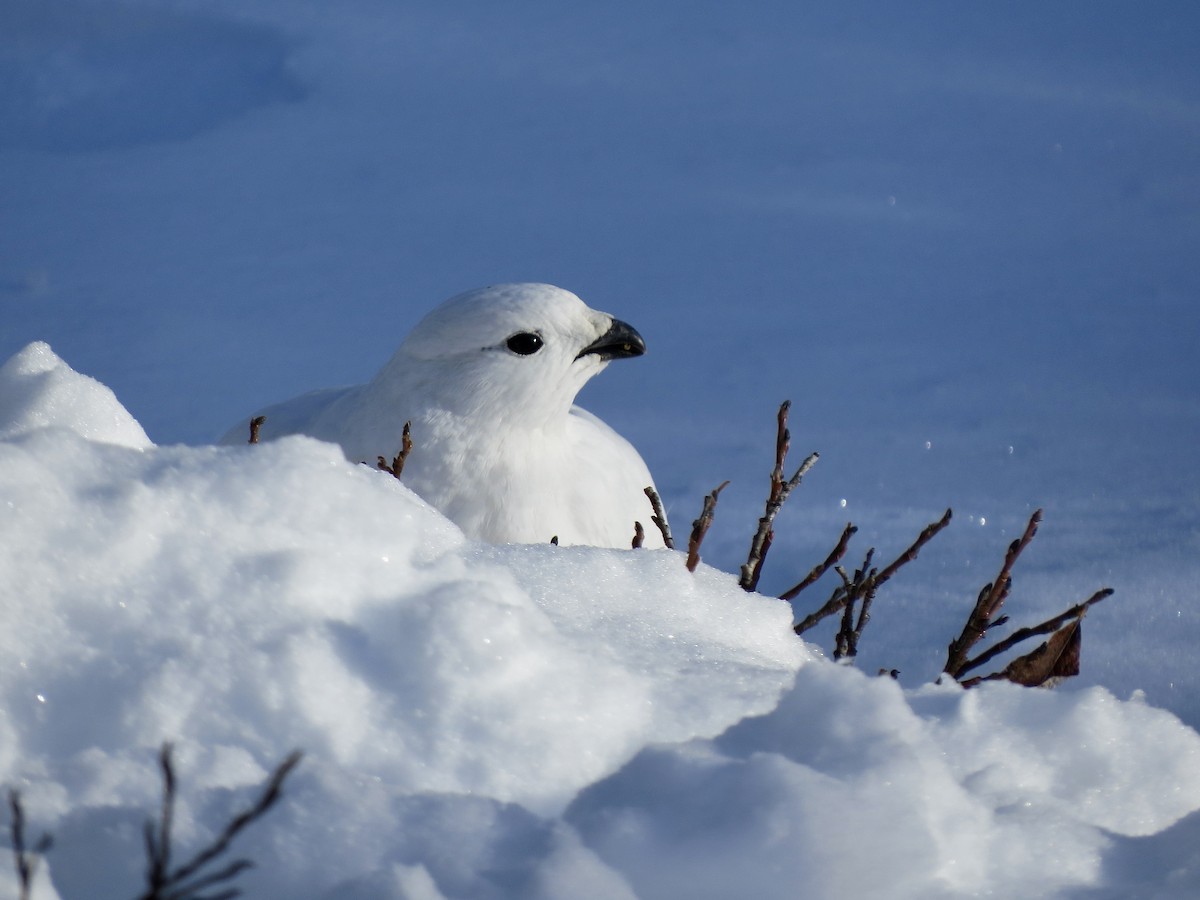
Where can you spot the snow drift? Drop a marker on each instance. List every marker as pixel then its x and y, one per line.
pixel 483 721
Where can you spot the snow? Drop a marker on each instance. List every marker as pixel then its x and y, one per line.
pixel 962 243
pixel 492 721
pixel 38 390
pixel 947 793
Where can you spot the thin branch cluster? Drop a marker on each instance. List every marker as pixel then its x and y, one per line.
pixel 164 881
pixel 186 881
pixel 1057 658
pixel 858 590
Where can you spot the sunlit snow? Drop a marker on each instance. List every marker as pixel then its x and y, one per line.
pixel 491 721
pixel 960 239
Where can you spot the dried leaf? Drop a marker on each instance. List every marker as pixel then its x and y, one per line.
pixel 1056 658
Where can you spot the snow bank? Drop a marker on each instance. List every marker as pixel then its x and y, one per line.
pixel 39 390
pixel 487 721
pixel 851 791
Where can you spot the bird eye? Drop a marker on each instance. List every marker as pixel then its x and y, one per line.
pixel 524 343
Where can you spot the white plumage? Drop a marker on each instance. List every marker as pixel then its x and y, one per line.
pixel 488 380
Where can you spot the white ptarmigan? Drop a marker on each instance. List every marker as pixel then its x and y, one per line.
pixel 488 380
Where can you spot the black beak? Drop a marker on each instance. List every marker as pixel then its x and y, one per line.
pixel 621 341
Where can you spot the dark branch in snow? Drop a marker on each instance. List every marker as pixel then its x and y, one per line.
pixel 256 425
pixel 186 881
pixel 927 534
pixel 863 586
pixel 1020 667
pixel 988 604
pixel 397 466
pixel 700 527
pixel 1048 663
pixel 25 860
pixel 660 517
pixel 831 560
pixel 835 602
pixel 639 535
pixel 780 491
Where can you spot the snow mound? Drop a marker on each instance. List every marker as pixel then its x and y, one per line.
pixel 39 390
pixel 999 790
pixel 495 721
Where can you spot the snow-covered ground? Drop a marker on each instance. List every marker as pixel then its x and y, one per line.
pixel 512 721
pixel 962 243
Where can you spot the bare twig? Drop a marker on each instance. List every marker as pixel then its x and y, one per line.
pixel 25 860
pixel 1054 659
pixel 832 559
pixel 256 425
pixel 927 534
pixel 780 490
pixel 701 525
pixel 836 601
pixel 187 880
pixel 988 604
pixel 660 517
pixel 158 847
pixel 397 466
pixel 191 890
pixel 639 535
pixel 864 616
pixel 863 586
pixel 1023 634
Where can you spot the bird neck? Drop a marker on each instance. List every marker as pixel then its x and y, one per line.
pixel 470 395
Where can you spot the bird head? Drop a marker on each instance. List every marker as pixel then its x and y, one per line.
pixel 523 349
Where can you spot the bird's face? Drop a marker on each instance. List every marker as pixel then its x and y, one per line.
pixel 522 348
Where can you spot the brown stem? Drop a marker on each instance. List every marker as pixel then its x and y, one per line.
pixel 1024 634
pixel 780 490
pixel 256 425
pixel 660 517
pixel 989 602
pixel 928 534
pixel 397 466
pixel 700 527
pixel 830 561
pixel 864 585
